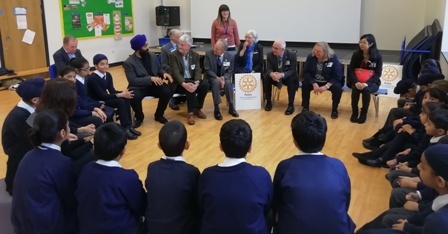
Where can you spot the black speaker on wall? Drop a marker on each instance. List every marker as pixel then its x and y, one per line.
pixel 168 16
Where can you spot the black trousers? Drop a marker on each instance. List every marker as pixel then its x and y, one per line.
pixel 196 99
pixel 335 89
pixel 123 107
pixel 394 114
pixel 291 82
pixel 365 93
pixel 163 92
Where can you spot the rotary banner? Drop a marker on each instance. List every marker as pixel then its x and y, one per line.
pixel 392 73
pixel 247 91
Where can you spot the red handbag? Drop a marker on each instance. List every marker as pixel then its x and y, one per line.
pixel 363 75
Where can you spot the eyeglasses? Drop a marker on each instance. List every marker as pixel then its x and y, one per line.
pixel 85 69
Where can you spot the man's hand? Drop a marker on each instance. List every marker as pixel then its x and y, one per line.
pixel 190 87
pixel 222 81
pixel 276 76
pixel 156 80
pixel 167 76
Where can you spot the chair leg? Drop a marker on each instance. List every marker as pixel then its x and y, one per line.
pixel 376 103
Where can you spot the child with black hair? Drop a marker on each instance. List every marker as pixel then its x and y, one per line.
pixel 111 199
pixel 172 185
pixel 235 196
pixel 100 87
pixel 311 188
pixel 15 129
pixel 45 184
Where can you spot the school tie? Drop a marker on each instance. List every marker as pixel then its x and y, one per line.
pixel 280 62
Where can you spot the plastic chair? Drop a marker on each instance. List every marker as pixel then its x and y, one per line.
pixel 53 71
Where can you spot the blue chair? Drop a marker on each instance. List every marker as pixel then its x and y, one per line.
pixel 53 71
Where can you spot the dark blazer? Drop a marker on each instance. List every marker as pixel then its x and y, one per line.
pixel 137 74
pixel 331 71
pixel 61 58
pixel 211 65
pixel 166 49
pixel 289 64
pixel 177 66
pixel 100 89
pixel 257 59
pixel 375 64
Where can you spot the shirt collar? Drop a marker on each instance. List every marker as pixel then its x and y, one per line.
pixel 80 79
pixel 50 146
pixel 111 163
pixel 439 202
pixel 173 44
pixel 230 162
pixel 435 139
pixel 176 158
pixel 25 106
pixel 305 153
pixel 101 75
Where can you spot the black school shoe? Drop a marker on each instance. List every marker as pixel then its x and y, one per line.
pixel 130 135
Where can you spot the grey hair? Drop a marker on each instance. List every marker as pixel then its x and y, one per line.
pixel 328 51
pixel 174 32
pixel 254 35
pixel 224 44
pixel 282 43
pixel 187 39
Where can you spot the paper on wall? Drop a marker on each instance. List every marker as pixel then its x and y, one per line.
pixel 28 36
pixel 21 22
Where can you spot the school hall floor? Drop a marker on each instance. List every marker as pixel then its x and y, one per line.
pixel 272 141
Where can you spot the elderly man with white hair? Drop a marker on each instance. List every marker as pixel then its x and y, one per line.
pixel 186 72
pixel 281 68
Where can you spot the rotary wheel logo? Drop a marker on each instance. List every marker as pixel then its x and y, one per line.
pixel 248 83
pixel 390 73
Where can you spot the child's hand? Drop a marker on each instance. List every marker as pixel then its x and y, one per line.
pixel 397 122
pixel 391 162
pixel 126 94
pixel 411 206
pixel 72 137
pixel 404 152
pixel 101 114
pixel 412 197
pixel 88 129
pixel 406 182
pixel 399 225
pixel 403 167
pixel 407 128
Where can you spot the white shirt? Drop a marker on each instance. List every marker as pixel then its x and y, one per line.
pixel 435 139
pixel 25 106
pixel 304 153
pixel 177 158
pixel 46 146
pixel 440 202
pixel 80 79
pixel 101 75
pixel 230 162
pixel 111 163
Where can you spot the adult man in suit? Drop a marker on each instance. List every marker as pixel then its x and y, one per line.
pixel 146 78
pixel 174 35
pixel 218 72
pixel 186 72
pixel 281 68
pixel 68 51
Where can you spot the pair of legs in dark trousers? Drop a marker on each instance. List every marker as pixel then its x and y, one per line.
pixel 163 92
pixel 335 89
pixel 196 99
pixel 386 220
pixel 291 82
pixel 123 106
pixel 365 96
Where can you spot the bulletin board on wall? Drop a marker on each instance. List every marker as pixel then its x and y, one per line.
pixel 97 18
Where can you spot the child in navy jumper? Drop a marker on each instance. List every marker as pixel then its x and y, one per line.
pixel 111 199
pixel 44 186
pixel 235 196
pixel 172 186
pixel 100 87
pixel 311 190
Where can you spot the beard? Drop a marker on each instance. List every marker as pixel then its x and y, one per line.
pixel 143 52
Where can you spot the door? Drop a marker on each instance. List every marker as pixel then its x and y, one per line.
pixel 19 55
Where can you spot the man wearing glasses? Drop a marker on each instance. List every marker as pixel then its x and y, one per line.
pixel 281 68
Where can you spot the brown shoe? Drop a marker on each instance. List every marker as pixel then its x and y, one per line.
pixel 190 119
pixel 199 114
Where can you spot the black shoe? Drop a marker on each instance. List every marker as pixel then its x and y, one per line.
pixel 160 119
pixel 362 118
pixel 374 137
pixel 173 106
pixel 218 115
pixel 305 109
pixel 233 112
pixel 354 117
pixel 268 106
pixel 135 132
pixel 372 145
pixel 334 114
pixel 221 92
pixel 289 110
pixel 376 162
pixel 137 123
pixel 130 135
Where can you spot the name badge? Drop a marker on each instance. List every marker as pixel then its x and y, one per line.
pixel 255 52
pixel 330 64
pixel 287 63
pixel 193 66
pixel 172 49
pixel 226 64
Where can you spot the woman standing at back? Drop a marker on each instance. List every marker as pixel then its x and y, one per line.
pixel 364 73
pixel 224 27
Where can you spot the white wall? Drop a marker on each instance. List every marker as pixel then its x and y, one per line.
pixel 116 51
pixel 435 9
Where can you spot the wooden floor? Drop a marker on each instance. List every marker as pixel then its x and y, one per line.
pixel 272 141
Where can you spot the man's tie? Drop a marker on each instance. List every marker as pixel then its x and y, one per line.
pixel 280 62
pixel 219 61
